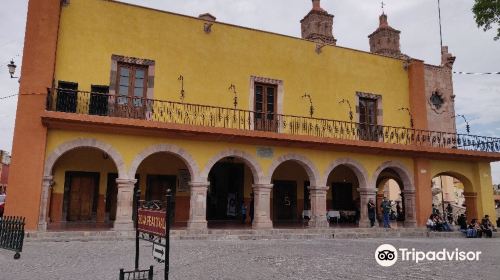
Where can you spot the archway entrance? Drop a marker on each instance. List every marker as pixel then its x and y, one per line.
pixel 390 185
pixel 159 172
pixel 450 201
pixel 79 197
pixel 290 198
pixel 343 199
pixel 230 191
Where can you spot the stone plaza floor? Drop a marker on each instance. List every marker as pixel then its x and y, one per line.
pixel 261 259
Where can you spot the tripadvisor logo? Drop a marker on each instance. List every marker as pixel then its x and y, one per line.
pixel 387 255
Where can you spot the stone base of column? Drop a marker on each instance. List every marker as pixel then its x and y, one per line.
pixel 319 222
pixel 42 227
pixel 197 225
pixel 123 226
pixel 410 224
pixel 262 224
pixel 364 224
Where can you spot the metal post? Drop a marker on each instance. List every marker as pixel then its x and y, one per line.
pixel 167 233
pixel 136 222
pixel 442 195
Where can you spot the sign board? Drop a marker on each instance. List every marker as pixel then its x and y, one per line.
pixel 159 252
pixel 151 221
pixel 265 152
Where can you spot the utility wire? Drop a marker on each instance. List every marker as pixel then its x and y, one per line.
pixel 476 73
pixel 9 96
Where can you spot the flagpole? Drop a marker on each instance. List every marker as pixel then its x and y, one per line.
pixel 440 28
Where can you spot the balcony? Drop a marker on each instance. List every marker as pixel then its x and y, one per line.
pixel 161 111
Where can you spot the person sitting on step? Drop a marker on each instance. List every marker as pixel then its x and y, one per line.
pixel 430 223
pixel 462 222
pixel 474 230
pixel 486 226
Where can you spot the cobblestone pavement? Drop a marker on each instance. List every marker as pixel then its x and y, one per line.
pixel 276 259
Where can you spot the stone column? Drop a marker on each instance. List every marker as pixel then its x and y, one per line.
pixel 471 205
pixel 262 206
pixel 124 208
pixel 318 206
pixel 410 211
pixel 198 206
pixel 365 194
pixel 47 183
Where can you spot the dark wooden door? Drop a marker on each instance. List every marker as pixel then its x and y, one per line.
pixel 342 196
pixel 265 117
pixel 111 196
pixel 226 182
pixel 285 200
pixel 156 189
pixel 82 197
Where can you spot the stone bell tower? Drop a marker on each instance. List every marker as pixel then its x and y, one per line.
pixel 385 40
pixel 317 25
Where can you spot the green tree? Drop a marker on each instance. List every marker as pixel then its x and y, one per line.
pixel 487 15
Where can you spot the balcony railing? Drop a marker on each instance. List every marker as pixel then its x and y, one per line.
pixel 90 103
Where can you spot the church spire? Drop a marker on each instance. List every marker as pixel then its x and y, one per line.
pixel 317 25
pixel 385 40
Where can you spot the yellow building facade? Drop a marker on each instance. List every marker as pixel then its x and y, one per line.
pixel 228 118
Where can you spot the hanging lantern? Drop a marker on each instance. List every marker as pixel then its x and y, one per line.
pixel 12 68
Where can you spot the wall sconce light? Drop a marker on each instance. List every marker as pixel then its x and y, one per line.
pixel 105 155
pixel 409 113
pixel 311 107
pixel 345 101
pixel 12 69
pixel 232 89
pixel 467 126
pixel 183 93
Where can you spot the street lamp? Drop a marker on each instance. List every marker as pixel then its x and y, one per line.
pixel 311 107
pixel 467 126
pixel 350 108
pixel 409 113
pixel 12 69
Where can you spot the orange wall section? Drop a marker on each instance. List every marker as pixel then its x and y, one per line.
pixel 418 107
pixel 28 151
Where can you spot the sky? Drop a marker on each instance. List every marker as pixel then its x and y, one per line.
pixel 476 51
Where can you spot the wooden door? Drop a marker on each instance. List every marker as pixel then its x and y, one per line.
pixel 156 189
pixel 265 117
pixel 82 201
pixel 285 200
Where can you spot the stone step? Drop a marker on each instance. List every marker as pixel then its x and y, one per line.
pixel 283 234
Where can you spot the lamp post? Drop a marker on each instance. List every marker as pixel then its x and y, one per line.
pixel 350 108
pixel 232 89
pixel 409 113
pixel 467 126
pixel 183 93
pixel 311 107
pixel 12 69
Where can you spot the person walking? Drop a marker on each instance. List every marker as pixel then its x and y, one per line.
pixel 251 208
pixel 243 212
pixel 371 212
pixel 386 211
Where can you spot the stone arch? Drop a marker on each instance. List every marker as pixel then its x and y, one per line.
pixel 311 170
pixel 401 170
pixel 408 189
pixel 354 165
pixel 85 143
pixel 191 164
pixel 468 186
pixel 252 163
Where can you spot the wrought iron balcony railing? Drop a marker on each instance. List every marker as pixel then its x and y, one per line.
pixel 90 103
